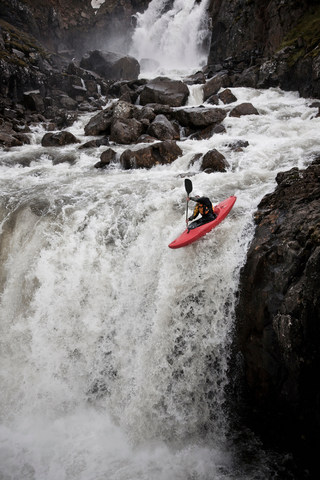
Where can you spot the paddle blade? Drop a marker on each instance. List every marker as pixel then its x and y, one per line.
pixel 188 185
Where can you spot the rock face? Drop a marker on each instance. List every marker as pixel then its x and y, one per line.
pixel 267 44
pixel 278 314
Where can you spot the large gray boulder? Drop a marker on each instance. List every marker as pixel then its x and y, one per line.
pixel 199 117
pixel 111 66
pixel 165 91
pixel 163 129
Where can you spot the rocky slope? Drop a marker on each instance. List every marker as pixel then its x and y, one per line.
pixel 278 329
pixel 267 44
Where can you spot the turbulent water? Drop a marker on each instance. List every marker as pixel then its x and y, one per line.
pixel 114 348
pixel 172 36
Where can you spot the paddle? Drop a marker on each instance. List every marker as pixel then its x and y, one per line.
pixel 188 187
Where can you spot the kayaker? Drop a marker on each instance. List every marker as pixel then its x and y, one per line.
pixel 204 208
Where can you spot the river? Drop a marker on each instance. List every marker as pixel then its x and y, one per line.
pixel 114 348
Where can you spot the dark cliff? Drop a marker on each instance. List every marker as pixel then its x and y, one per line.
pixel 278 314
pixel 268 44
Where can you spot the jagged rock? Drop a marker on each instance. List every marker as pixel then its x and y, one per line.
pixel 207 133
pixel 213 85
pixel 162 129
pixel 243 109
pixel 111 66
pixel 33 101
pixel 106 158
pixel 99 123
pixel 227 96
pixel 278 313
pixel 147 157
pixel 214 161
pixel 199 117
pixel 58 139
pixel 195 79
pixel 239 145
pixel 126 130
pixel 9 140
pixel 164 91
pixel 95 143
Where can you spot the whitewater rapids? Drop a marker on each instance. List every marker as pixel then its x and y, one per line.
pixel 114 348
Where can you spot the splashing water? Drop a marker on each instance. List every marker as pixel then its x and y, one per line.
pixel 114 348
pixel 171 37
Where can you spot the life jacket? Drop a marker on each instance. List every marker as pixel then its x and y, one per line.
pixel 205 209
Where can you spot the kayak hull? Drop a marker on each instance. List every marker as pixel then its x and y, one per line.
pixel 221 210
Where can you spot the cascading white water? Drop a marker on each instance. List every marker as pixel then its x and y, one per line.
pixel 114 348
pixel 171 36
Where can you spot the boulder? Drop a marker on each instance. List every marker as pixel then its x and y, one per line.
pixel 58 139
pixel 8 140
pixel 243 109
pixel 213 85
pixel 147 157
pixel 111 66
pixel 207 132
pixel 199 117
pixel 126 130
pixel 165 91
pixel 163 129
pixel 100 123
pixel 226 96
pixel 95 143
pixel 106 158
pixel 33 101
pixel 278 313
pixel 214 161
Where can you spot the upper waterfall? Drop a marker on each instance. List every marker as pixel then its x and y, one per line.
pixel 172 37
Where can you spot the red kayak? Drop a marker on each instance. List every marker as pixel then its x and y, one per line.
pixel 221 210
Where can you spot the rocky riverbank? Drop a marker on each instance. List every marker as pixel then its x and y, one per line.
pixel 278 314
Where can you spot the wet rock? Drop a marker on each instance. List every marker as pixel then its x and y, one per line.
pixel 243 109
pixel 214 161
pixel 199 117
pixel 278 313
pixel 126 130
pixel 147 157
pixel 213 85
pixel 111 66
pixel 107 157
pixel 9 140
pixel 195 79
pixel 162 129
pixel 58 139
pixel 227 96
pixel 164 91
pixel 207 133
pixel 100 123
pixel 33 101
pixel 95 143
pixel 239 145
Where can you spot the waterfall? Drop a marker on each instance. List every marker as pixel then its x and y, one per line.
pixel 171 37
pixel 114 348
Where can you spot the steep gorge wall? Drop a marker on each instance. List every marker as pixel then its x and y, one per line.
pixel 268 44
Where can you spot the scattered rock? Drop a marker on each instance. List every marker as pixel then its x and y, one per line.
pixel 227 96
pixel 214 161
pixel 111 66
pixel 107 157
pixel 58 139
pixel 164 91
pixel 147 157
pixel 162 129
pixel 243 109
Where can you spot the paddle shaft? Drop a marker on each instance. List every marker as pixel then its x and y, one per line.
pixel 188 187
